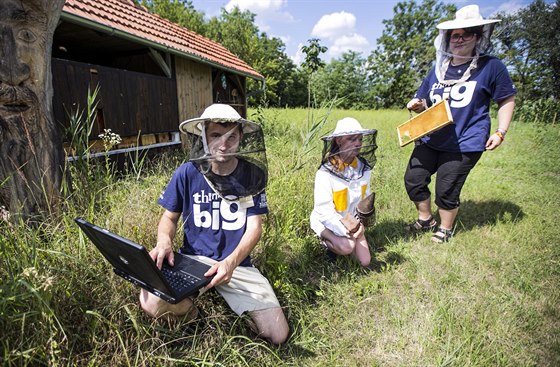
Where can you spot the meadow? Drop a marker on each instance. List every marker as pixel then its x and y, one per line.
pixel 488 298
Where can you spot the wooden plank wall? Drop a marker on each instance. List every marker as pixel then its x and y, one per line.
pixel 129 102
pixel 194 88
pixel 70 87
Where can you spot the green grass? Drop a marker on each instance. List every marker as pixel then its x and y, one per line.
pixel 488 298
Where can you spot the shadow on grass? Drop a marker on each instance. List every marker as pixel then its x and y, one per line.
pixel 313 266
pixel 291 351
pixel 474 214
pixel 311 269
pixel 386 233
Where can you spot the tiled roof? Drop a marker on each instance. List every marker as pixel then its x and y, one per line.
pixel 123 16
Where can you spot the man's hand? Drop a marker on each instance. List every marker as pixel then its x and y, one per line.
pixel 162 251
pixel 166 231
pixel 222 272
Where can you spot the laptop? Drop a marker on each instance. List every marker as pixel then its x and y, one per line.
pixel 132 262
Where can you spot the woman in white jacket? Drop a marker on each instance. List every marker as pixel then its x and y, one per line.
pixel 342 180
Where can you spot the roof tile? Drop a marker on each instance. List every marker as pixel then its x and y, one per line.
pixel 136 21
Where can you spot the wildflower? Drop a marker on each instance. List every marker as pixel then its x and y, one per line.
pixel 110 138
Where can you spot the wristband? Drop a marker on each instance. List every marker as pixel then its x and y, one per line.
pixel 500 135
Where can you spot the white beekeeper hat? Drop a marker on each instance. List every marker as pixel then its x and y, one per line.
pixel 217 112
pixel 466 17
pixel 348 126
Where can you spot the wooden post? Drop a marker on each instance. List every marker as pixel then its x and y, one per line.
pixel 31 154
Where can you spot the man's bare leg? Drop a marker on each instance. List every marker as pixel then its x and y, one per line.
pixel 271 324
pixel 156 307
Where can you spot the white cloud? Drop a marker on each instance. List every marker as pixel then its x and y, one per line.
pixel 267 9
pixel 285 39
pixel 345 43
pixel 338 29
pixel 256 6
pixel 299 56
pixel 331 26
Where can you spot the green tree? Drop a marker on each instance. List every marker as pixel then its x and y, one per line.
pixel 405 51
pixel 181 12
pixel 273 62
pixel 296 94
pixel 236 31
pixel 343 78
pixel 529 43
pixel 312 61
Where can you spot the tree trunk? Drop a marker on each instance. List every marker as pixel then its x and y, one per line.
pixel 31 155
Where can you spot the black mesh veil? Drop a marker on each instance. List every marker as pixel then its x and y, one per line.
pixel 469 19
pixel 366 155
pixel 249 177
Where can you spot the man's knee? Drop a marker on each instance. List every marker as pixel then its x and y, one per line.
pixel 277 335
pixel 154 306
pixel 271 325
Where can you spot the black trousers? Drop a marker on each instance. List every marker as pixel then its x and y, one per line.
pixel 451 171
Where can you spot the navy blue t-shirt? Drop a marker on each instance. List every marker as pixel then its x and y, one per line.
pixel 469 102
pixel 213 227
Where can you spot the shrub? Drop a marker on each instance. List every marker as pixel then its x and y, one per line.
pixel 544 110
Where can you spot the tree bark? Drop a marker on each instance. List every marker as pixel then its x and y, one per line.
pixel 31 154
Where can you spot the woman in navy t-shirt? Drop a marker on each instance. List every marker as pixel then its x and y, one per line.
pixel 469 79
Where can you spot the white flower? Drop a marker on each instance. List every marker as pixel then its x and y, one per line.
pixel 110 138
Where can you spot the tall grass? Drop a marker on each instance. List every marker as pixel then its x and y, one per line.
pixel 488 298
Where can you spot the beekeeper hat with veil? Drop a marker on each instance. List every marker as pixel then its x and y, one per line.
pixel 251 172
pixel 365 159
pixel 469 19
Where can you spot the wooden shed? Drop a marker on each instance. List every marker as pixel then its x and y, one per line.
pixel 151 73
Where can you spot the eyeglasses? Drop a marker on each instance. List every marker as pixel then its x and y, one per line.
pixel 465 36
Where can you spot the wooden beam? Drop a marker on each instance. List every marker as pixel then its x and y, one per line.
pixel 156 56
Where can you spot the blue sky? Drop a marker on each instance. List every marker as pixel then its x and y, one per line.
pixel 342 25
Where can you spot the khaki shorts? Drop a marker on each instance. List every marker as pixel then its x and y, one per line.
pixel 248 290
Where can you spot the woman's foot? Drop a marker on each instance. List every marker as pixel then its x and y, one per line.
pixel 420 225
pixel 331 256
pixel 442 235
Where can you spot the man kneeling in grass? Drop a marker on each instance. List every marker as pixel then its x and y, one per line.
pixel 220 194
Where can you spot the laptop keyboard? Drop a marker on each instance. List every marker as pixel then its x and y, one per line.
pixel 178 279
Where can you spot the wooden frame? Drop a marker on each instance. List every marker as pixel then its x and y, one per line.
pixel 426 122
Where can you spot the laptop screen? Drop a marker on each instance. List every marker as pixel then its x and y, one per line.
pixel 127 257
